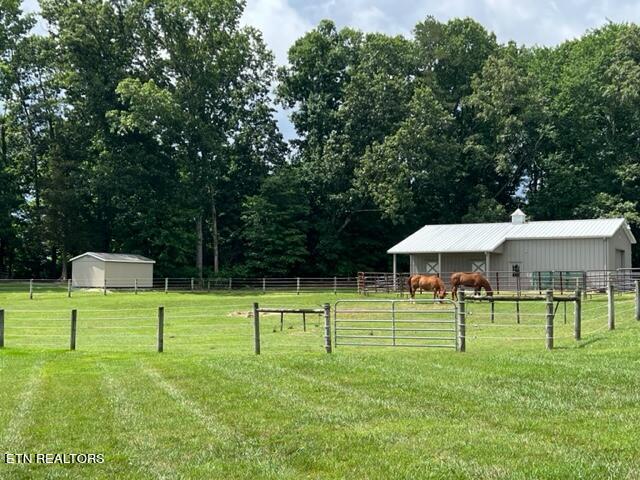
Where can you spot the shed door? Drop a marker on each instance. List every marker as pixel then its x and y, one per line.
pixel 619 258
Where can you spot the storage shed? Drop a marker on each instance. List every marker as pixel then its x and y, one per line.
pixel 113 270
pixel 519 246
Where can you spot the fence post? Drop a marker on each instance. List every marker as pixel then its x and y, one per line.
pixel 31 289
pixel 256 329
pixel 104 287
pixel 549 326
pixel 135 286
pixel 192 284
pixel 208 284
pixel 492 305
pixel 327 327
pixel 304 322
pixel 498 283
pixel 230 280
pixel 577 315
pixel 264 284
pixel 393 322
pixel 166 285
pixel 298 286
pixel 1 328
pixel 335 285
pixel 74 324
pixel 637 282
pixel 611 310
pixel 69 288
pixel 160 329
pixel 539 282
pixel 462 334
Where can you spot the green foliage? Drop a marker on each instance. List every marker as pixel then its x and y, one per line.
pixel 148 126
pixel 276 226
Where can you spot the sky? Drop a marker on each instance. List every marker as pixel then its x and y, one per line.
pixel 529 22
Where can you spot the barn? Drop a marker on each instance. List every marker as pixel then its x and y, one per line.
pixel 113 270
pixel 519 246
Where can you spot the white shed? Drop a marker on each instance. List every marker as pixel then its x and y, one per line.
pixel 113 270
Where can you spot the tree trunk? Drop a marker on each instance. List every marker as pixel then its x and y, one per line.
pixel 199 246
pixel 216 240
pixel 54 262
pixel 64 274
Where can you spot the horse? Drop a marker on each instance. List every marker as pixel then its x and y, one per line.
pixel 430 283
pixel 469 279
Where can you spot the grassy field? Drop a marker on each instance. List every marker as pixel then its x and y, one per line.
pixel 208 408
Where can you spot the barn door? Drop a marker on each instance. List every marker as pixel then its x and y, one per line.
pixel 478 266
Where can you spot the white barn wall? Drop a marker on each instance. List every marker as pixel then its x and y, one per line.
pixel 619 241
pixel 87 272
pixel 552 254
pixel 124 274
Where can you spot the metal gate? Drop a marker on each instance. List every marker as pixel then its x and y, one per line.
pixel 396 323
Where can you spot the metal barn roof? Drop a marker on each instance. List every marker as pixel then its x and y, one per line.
pixel 116 257
pixel 486 237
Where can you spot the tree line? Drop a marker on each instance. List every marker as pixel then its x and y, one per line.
pixel 148 126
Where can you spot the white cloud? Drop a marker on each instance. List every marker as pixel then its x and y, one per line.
pixel 280 24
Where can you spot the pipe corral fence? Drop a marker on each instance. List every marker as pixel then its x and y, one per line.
pixel 591 281
pixel 444 323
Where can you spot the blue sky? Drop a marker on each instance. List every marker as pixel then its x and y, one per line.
pixel 542 22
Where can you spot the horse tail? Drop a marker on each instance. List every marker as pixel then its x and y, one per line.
pixel 410 285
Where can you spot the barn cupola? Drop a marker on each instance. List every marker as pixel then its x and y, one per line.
pixel 518 217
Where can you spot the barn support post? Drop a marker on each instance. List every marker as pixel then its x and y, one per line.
pixel 1 328
pixel 31 289
pixel 166 285
pixel 160 329
pixel 577 315
pixel 462 340
pixel 611 309
pixel 498 283
pixel 584 285
pixel 549 326
pixel 327 327
pixel 297 285
pixel 256 329
pixel 74 326
pixel 561 285
pixel 395 273
pixel 487 263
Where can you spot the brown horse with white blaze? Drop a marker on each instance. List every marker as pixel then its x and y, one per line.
pixel 469 279
pixel 429 283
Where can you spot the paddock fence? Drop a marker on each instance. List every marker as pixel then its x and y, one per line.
pixel 592 281
pixel 233 325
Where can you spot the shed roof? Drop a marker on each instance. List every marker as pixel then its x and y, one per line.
pixel 486 237
pixel 115 257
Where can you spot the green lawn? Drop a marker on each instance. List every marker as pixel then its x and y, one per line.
pixel 208 408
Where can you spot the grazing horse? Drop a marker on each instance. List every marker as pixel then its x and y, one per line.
pixel 429 283
pixel 469 279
